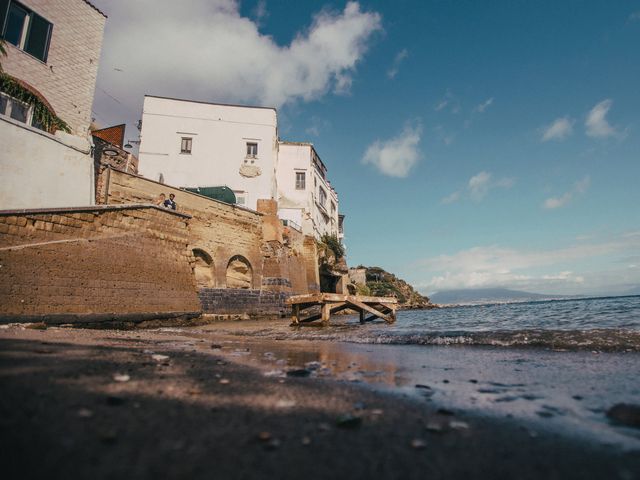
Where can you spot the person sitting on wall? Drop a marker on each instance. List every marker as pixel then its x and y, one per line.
pixel 161 200
pixel 170 202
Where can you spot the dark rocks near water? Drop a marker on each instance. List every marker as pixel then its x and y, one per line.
pixel 626 414
pixel 299 372
pixel 349 421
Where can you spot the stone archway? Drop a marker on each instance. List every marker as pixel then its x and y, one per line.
pixel 239 273
pixel 203 269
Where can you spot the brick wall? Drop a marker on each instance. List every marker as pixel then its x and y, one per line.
pixel 243 301
pixel 96 263
pixel 68 78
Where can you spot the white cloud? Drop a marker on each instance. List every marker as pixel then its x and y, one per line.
pixel 205 50
pixel 478 187
pixel 317 126
pixel 483 106
pixel 579 188
pixel 395 67
pixel 480 184
pixel 454 197
pixel 260 12
pixel 596 122
pixel 559 129
pixel 548 271
pixel 395 157
pixel 449 101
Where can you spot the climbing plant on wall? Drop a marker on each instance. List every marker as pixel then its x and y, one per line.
pixel 42 114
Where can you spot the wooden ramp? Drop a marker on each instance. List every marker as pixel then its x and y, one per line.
pixel 369 308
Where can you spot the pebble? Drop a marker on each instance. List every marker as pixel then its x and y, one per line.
pixel 159 358
pixel 418 444
pixel 419 385
pixel 377 411
pixel 458 425
pixel 85 413
pixel 121 377
pixel 305 441
pixel 216 346
pixel 224 381
pixel 264 436
pixel 349 421
pixel 434 427
pixel 282 403
pixel 626 414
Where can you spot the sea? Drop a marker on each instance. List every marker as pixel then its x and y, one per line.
pixel 557 365
pixel 596 324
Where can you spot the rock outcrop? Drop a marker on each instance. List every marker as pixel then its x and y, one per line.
pixel 376 281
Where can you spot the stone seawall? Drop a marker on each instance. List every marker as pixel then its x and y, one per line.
pixel 243 301
pixel 96 263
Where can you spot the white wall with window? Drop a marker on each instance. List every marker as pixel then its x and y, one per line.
pixel 199 144
pixel 305 196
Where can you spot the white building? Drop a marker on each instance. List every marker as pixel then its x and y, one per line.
pixel 197 144
pixel 305 196
pixel 53 49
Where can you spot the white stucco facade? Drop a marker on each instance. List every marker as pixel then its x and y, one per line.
pixel 305 195
pixel 196 144
pixel 40 170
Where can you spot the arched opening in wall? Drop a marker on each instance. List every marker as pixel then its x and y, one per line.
pixel 203 269
pixel 239 273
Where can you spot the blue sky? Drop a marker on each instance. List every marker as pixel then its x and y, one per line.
pixel 473 144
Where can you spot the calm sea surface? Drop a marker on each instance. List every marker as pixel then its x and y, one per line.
pixel 603 324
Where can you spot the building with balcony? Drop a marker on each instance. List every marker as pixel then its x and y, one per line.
pixel 305 195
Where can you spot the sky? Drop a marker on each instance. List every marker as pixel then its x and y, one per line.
pixel 472 144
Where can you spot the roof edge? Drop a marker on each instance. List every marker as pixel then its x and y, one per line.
pixel 211 103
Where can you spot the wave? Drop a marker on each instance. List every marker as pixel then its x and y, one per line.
pixel 600 340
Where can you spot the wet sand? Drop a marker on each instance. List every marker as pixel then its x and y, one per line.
pixel 193 403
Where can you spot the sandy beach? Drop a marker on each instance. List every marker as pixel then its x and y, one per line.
pixel 196 403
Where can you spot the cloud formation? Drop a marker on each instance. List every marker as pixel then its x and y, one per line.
pixel 579 188
pixel 397 156
pixel 559 129
pixel 478 187
pixel 483 106
pixel 596 121
pixel 205 50
pixel 395 66
pixel 546 271
pixel 635 16
pixel 449 101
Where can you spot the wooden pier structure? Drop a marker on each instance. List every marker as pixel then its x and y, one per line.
pixel 329 303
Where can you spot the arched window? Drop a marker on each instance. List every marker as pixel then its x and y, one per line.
pixel 203 269
pixel 239 273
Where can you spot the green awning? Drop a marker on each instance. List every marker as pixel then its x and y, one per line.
pixel 223 194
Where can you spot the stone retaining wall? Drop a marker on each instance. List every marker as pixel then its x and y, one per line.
pixel 243 301
pixel 95 264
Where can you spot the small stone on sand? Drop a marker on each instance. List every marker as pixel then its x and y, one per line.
pixel 418 444
pixel 121 377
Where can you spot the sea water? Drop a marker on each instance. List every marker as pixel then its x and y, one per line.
pixel 595 324
pixel 557 365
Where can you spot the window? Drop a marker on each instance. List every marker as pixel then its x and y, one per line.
pixel 323 196
pixel 252 150
pixel 300 181
pixel 25 29
pixel 185 145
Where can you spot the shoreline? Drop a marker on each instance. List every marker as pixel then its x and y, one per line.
pixel 98 403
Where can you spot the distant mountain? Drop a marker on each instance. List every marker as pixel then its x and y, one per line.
pixel 474 296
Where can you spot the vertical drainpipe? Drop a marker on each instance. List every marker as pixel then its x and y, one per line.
pixel 106 187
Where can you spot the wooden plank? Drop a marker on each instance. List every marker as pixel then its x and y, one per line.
pixel 295 315
pixel 369 309
pixel 334 308
pixel 326 313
